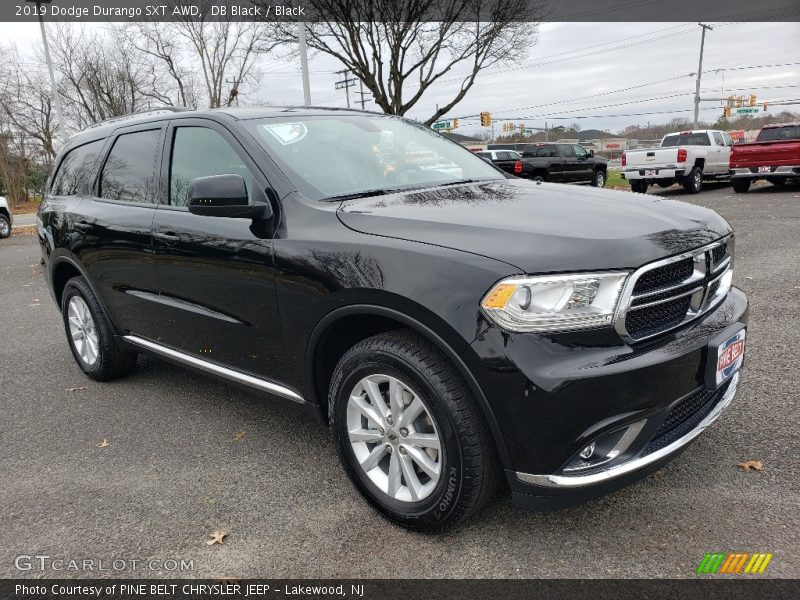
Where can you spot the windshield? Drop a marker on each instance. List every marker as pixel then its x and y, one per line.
pixel 686 139
pixel 772 134
pixel 340 155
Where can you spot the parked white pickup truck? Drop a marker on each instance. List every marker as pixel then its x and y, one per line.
pixel 685 157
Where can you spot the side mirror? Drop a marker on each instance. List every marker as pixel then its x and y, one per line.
pixel 591 153
pixel 224 196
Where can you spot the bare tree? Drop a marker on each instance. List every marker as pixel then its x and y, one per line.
pixel 26 103
pixel 400 49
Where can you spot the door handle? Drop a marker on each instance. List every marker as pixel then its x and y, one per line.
pixel 83 226
pixel 168 237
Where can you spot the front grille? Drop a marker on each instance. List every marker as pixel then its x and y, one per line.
pixel 685 416
pixel 664 277
pixel 651 320
pixel 674 292
pixel 718 253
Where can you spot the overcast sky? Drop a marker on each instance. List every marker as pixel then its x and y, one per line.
pixel 574 60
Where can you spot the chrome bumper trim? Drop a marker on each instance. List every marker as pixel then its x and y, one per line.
pixel 249 380
pixel 635 464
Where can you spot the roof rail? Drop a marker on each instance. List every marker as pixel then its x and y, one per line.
pixel 153 111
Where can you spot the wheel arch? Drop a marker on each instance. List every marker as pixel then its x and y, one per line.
pixel 65 268
pixel 700 163
pixel 325 348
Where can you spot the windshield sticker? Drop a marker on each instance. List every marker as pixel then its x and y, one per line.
pixel 287 133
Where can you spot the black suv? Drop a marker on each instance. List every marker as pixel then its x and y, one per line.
pixel 451 325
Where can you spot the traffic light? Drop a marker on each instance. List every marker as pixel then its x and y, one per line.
pixel 486 119
pixel 765 106
pixel 731 100
pixel 752 99
pixel 726 111
pixel 455 123
pixel 739 101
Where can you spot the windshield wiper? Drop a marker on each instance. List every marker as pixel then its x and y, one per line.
pixel 355 195
pixel 462 181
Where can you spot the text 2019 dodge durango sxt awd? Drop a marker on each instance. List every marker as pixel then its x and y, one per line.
pixel 452 324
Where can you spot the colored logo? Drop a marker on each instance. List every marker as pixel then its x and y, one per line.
pixel 734 562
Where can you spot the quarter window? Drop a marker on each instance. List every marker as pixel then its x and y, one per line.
pixel 128 172
pixel 74 176
pixel 202 152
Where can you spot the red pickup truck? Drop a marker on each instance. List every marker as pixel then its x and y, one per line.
pixel 774 156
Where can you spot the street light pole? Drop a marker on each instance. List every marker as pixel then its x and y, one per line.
pixel 699 74
pixel 56 99
pixel 304 62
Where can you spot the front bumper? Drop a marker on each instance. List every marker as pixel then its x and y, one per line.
pixel 552 396
pixel 660 173
pixel 755 172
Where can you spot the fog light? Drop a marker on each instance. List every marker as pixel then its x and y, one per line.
pixel 587 452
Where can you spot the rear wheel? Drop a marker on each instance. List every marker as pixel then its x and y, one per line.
pixel 639 186
pixel 409 434
pixel 90 334
pixel 599 178
pixel 741 185
pixel 693 182
pixel 5 227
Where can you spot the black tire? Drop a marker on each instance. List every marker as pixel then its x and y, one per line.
pixel 741 184
pixel 665 183
pixel 639 186
pixel 693 182
pixel 112 361
pixel 5 227
pixel 469 466
pixel 538 178
pixel 599 178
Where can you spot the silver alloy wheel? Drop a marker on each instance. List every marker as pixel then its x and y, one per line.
pixel 600 178
pixel 83 331
pixel 698 180
pixel 394 438
pixel 4 228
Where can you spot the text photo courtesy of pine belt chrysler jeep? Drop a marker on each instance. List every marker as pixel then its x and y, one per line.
pixel 685 157
pixel 451 324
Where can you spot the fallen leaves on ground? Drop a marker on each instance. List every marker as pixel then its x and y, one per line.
pixel 216 538
pixel 103 444
pixel 755 465
pixel 76 389
pixel 239 436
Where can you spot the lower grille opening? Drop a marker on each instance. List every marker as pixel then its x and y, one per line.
pixel 685 416
pixel 654 319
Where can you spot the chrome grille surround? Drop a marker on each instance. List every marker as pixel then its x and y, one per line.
pixel 706 287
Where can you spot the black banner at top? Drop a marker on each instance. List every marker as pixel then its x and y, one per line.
pixel 612 11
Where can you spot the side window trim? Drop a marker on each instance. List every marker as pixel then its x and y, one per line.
pixel 161 126
pixel 163 194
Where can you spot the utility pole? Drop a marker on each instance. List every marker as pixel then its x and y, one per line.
pixel 346 83
pixel 56 98
pixel 301 36
pixel 699 74
pixel 361 93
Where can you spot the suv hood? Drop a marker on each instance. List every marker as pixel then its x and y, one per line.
pixel 540 228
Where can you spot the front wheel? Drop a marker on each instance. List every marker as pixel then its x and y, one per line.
pixel 599 178
pixel 693 182
pixel 5 227
pixel 741 185
pixel 409 434
pixel 90 334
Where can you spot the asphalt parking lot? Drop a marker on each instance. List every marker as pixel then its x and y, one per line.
pixel 173 472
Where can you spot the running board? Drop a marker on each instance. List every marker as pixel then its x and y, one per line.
pixel 198 363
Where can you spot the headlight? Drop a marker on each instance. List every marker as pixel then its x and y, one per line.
pixel 554 302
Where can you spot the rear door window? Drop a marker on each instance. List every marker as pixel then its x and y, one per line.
pixel 128 172
pixel 76 172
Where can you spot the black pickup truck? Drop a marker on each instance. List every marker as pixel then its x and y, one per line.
pixel 564 163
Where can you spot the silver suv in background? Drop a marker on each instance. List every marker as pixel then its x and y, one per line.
pixel 5 218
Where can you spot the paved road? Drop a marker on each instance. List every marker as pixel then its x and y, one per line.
pixel 173 473
pixel 24 219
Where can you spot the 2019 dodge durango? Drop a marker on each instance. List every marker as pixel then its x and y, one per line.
pixel 453 326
